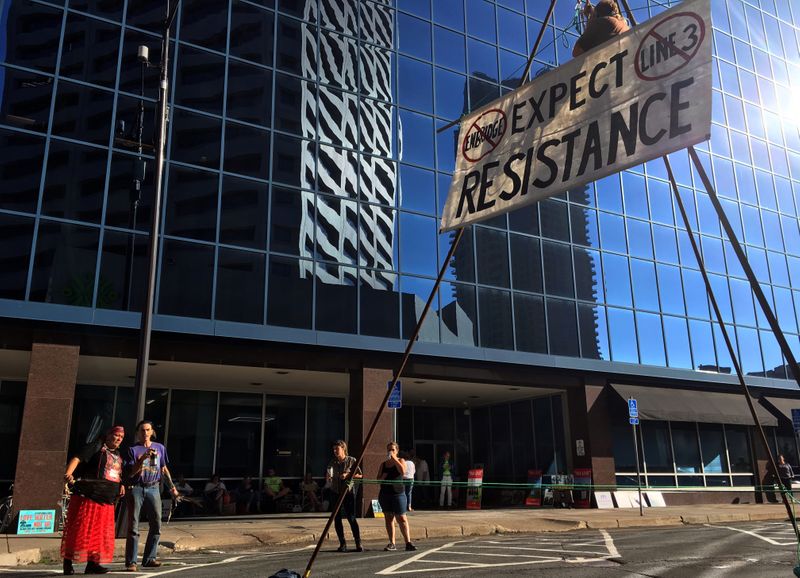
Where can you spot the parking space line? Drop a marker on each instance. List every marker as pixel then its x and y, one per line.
pixel 755 534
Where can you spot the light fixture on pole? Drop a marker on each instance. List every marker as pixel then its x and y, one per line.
pixel 145 331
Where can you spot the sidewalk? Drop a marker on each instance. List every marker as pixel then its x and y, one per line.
pixel 301 529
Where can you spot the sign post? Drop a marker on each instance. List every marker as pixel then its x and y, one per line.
pixel 633 419
pixel 395 402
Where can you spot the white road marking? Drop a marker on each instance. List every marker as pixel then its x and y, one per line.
pixel 609 542
pixel 755 534
pixel 476 556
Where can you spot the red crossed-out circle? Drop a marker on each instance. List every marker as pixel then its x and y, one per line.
pixel 489 144
pixel 682 57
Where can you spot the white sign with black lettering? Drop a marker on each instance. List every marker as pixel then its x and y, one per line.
pixel 637 97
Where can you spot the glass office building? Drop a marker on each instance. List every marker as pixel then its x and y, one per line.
pixel 304 181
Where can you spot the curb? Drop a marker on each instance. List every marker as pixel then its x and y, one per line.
pixel 21 558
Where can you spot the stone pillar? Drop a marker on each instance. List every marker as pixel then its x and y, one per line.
pixel 590 421
pixel 46 422
pixel 367 389
pixel 601 444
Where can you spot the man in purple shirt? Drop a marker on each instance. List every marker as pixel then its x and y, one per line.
pixel 147 464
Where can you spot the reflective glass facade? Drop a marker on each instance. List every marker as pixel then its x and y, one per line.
pixel 305 178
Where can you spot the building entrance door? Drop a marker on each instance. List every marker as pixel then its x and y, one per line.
pixel 432 452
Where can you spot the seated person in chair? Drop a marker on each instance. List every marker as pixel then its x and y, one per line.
pixel 214 493
pixel 246 496
pixel 310 488
pixel 274 493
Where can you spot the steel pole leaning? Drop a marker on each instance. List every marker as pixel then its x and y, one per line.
pixel 791 361
pixel 528 64
pixel 725 336
pixel 145 330
pixel 398 373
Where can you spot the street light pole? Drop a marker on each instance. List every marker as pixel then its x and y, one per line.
pixel 143 359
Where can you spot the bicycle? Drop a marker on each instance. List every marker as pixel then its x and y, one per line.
pixel 7 511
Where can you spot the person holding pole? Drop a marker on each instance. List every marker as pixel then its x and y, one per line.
pixel 604 21
pixel 339 469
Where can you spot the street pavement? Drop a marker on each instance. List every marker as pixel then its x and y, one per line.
pixel 297 531
pixel 763 549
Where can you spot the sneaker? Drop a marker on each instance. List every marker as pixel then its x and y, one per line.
pixel 390 548
pixel 131 568
pixel 359 548
pixel 342 548
pixel 410 547
pixel 152 564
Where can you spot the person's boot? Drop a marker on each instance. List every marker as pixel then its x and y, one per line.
pixel 342 547
pixel 359 548
pixel 95 568
pixel 68 569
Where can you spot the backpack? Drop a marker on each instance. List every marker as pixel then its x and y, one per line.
pixel 284 573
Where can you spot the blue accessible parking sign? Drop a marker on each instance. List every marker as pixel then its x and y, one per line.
pixel 396 398
pixel 796 420
pixel 633 408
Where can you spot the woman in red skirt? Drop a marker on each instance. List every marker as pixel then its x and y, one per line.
pixel 89 534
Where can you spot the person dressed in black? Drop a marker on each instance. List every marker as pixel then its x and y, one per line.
pixel 785 473
pixel 339 469
pixel 392 496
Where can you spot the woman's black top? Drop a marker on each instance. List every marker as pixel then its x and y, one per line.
pixel 391 473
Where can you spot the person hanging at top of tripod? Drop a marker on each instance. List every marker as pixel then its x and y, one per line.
pixel 604 21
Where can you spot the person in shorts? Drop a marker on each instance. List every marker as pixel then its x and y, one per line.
pixel 392 496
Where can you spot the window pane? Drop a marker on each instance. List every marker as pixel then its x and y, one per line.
pixel 124 207
pixel 290 292
pixel 621 329
pixel 246 151
pixel 326 416
pixel 20 171
pixel 414 294
pixel 25 99
pixel 530 323
pixel 240 286
pixel 186 265
pixel 239 435
pixel 687 453
pixel 251 33
pixel 123 271
pixel 543 432
pixel 83 113
pixel 191 436
pixel 458 314
pixel 195 139
pixel 495 321
pixel 593 331
pixel 244 213
pixel 90 50
pixel 92 413
pixel 738 449
pixel 64 265
pixel 249 93
pixel 712 442
pixel 677 339
pixel 492 251
pixel 617 279
pixel 16 234
pixel 557 269
pixel 336 298
pixel 191 205
pixel 562 327
pixel 284 435
pixel 73 187
pixel 35 31
pixel 198 83
pixel 526 264
pixel 379 304
pixel 655 442
pixel 651 339
pixel 417 237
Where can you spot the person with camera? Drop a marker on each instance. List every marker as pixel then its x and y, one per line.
pixel 147 462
